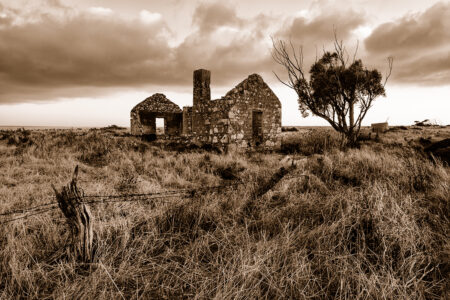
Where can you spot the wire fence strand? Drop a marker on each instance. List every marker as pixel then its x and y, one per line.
pixel 98 199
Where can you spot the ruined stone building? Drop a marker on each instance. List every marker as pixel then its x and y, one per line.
pixel 247 116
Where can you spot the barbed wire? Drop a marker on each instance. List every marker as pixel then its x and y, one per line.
pixel 46 207
pixel 29 215
pixel 25 210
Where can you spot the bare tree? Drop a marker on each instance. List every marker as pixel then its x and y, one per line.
pixel 335 86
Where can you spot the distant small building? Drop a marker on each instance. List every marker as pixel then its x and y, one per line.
pixel 380 127
pixel 247 116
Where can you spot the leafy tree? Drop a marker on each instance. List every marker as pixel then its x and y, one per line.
pixel 336 85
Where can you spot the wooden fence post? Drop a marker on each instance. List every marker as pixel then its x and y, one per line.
pixel 79 218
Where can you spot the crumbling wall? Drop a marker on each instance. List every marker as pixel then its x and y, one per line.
pixel 143 116
pixel 201 100
pixel 253 95
pixel 213 117
pixel 247 116
pixel 187 120
pixel 230 119
pixel 209 117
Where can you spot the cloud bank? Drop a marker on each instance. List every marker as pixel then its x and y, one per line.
pixel 419 43
pixel 52 50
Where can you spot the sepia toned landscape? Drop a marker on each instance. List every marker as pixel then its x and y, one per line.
pixel 240 149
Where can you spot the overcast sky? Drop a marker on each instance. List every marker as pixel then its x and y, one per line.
pixel 88 62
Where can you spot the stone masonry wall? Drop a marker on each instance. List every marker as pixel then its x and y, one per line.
pixel 229 119
pixel 254 95
pixel 144 114
pixel 212 122
pixel 187 120
pixel 223 122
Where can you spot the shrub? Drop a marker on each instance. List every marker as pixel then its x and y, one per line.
pixel 127 180
pixel 19 137
pixel 184 221
pixel 95 150
pixel 314 142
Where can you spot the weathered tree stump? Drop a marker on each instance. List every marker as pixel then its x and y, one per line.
pixel 79 218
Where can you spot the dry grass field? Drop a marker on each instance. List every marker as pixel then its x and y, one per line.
pixel 364 223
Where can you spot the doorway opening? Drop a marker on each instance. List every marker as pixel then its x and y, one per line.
pixel 257 132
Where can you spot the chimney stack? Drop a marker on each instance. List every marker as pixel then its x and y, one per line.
pixel 202 92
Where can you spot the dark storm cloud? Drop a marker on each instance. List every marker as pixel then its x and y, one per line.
pixel 319 30
pixel 228 45
pixel 62 50
pixel 83 50
pixel 6 16
pixel 80 51
pixel 72 50
pixel 210 16
pixel 57 51
pixel 315 34
pixel 419 43
pixel 232 46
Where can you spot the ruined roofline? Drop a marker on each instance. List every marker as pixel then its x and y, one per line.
pixel 251 80
pixel 157 102
pixel 202 76
pixel 243 85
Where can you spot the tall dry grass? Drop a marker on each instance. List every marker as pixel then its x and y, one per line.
pixel 367 223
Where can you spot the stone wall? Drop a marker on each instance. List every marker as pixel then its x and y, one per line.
pixel 230 119
pixel 187 120
pixel 253 95
pixel 233 119
pixel 211 122
pixel 143 116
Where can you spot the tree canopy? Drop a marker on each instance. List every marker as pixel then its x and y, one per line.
pixel 335 86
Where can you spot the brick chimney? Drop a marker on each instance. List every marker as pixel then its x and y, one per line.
pixel 202 92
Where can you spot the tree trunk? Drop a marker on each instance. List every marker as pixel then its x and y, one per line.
pixel 352 116
pixel 351 135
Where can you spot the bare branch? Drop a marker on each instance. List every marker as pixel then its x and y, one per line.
pixel 283 82
pixel 356 51
pixel 297 63
pixel 389 72
pixel 316 59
